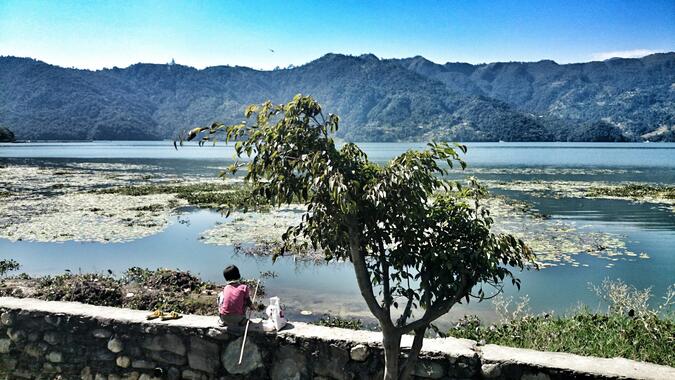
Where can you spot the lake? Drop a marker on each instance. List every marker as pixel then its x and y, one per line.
pixel 643 227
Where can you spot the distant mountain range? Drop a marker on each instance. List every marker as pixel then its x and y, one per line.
pixel 411 99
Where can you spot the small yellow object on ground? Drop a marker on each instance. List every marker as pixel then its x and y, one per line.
pixel 154 315
pixel 170 316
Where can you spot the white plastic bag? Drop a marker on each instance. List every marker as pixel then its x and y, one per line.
pixel 276 320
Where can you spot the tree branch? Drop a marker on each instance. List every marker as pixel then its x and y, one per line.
pixel 437 310
pixel 414 353
pixel 406 312
pixel 362 275
pixel 385 275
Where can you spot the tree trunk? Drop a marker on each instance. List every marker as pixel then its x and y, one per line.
pixel 411 362
pixel 391 341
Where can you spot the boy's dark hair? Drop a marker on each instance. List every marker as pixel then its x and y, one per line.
pixel 231 273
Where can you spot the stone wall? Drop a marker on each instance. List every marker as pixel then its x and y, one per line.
pixel 46 340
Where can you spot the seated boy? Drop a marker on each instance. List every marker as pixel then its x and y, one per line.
pixel 234 299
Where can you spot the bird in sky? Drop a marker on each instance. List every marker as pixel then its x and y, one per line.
pixel 272 50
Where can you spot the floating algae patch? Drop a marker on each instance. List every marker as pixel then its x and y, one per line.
pixel 112 166
pixel 553 171
pixel 636 192
pixel 554 242
pixel 259 234
pixel 61 203
pixel 254 227
pixel 86 217
pixel 217 194
pixel 27 181
pixel 551 189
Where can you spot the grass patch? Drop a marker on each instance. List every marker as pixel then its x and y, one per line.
pixel 648 339
pixel 235 196
pixel 629 328
pixel 139 190
pixel 155 207
pixel 634 191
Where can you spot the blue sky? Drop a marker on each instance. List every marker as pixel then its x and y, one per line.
pixel 95 34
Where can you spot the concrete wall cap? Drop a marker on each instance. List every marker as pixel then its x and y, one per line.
pixel 605 367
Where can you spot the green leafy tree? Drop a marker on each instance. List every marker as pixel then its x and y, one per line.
pixel 415 254
pixel 8 265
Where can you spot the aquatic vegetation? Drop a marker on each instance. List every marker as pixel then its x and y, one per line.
pixel 155 207
pixel 110 203
pixel 254 227
pixel 634 190
pixel 220 194
pixel 268 274
pixel 85 217
pixel 119 202
pixel 275 248
pixel 555 242
pixel 49 203
pixel 108 166
pixel 31 180
pixel 167 188
pixel 553 171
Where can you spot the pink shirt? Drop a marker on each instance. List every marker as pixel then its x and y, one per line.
pixel 235 298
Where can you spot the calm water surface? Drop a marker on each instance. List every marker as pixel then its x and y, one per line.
pixel 646 227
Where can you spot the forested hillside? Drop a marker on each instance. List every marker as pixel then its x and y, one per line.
pixel 378 100
pixel 6 135
pixel 636 96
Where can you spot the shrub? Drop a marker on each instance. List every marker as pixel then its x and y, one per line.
pixel 92 289
pixel 337 321
pixel 8 265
